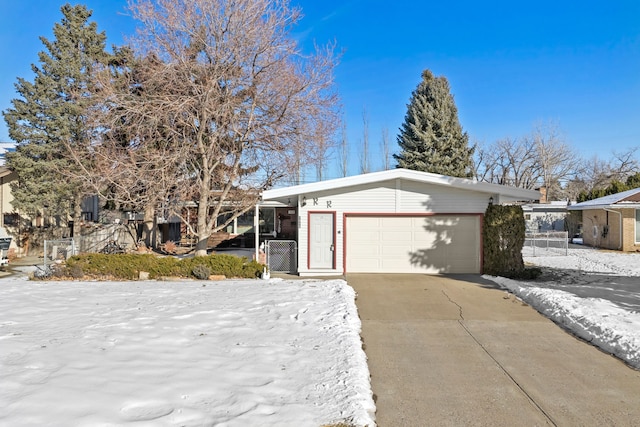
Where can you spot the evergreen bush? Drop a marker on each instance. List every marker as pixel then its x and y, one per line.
pixel 129 266
pixel 503 239
pixel 201 271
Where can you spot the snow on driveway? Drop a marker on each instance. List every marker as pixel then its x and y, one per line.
pixel 593 293
pixel 190 353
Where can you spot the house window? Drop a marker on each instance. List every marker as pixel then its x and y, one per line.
pixel 11 219
pixel 245 223
pixel 637 225
pixel 267 220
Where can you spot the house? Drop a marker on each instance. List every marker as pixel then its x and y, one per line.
pixel 6 147
pixel 549 216
pixel 8 216
pixel 612 222
pixel 395 221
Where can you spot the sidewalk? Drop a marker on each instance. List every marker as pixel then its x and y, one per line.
pixel 22 265
pixel 456 351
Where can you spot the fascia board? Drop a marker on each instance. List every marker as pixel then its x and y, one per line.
pixel 423 177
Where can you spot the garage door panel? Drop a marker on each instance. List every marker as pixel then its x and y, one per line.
pixel 392 222
pixel 371 236
pixel 396 251
pixel 371 251
pixel 403 244
pixel 425 238
pixel 369 222
pixel 391 237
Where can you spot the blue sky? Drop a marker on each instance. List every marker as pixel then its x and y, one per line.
pixel 510 64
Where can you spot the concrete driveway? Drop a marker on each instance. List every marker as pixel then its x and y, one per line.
pixel 456 351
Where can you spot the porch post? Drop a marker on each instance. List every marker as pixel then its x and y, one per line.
pixel 256 228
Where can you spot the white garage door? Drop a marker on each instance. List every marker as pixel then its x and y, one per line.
pixel 407 244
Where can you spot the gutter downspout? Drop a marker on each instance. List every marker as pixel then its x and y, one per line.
pixel 620 216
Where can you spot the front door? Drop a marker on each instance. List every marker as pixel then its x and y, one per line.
pixel 321 240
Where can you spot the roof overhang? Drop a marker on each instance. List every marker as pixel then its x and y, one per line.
pixel 504 192
pixel 5 171
pixel 624 200
pixel 613 206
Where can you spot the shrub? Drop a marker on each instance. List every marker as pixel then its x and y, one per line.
pixel 226 265
pixel 201 271
pixel 503 237
pixel 129 266
pixel 529 273
pixel 76 272
pixel 42 273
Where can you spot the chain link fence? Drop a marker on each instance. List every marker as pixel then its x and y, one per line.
pixel 58 250
pixel 282 256
pixel 546 243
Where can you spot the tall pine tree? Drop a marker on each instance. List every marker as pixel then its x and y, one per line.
pixel 431 138
pixel 50 115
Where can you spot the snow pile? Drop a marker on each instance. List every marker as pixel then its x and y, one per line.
pixel 596 320
pixel 590 260
pixel 611 326
pixel 233 353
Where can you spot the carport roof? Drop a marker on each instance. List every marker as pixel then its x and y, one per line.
pixel 504 192
pixel 624 199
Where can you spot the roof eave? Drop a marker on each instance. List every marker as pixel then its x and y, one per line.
pixel 605 206
pixel 513 193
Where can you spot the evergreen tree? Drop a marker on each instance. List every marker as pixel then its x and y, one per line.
pixel 50 116
pixel 431 138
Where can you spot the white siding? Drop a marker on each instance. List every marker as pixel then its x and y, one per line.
pixel 441 199
pixel 393 196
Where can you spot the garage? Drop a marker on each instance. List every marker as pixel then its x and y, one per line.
pixel 392 221
pixel 428 244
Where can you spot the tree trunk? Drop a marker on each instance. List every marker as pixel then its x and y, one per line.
pixel 148 225
pixel 76 218
pixel 204 231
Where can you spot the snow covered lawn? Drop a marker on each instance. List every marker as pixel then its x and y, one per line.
pixel 232 353
pixel 245 352
pixel 593 293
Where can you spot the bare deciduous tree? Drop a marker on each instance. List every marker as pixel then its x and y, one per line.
pixel 364 155
pixel 624 163
pixel 225 105
pixel 344 152
pixel 386 154
pixel 509 161
pixel 321 152
pixel 536 160
pixel 557 160
pixel 597 174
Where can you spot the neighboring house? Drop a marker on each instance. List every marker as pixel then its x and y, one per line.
pixel 6 147
pixel 612 222
pixel 545 216
pixel 8 217
pixel 395 221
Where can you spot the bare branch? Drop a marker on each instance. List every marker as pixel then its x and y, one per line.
pixel 216 104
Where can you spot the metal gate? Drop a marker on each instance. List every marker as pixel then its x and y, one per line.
pixel 282 256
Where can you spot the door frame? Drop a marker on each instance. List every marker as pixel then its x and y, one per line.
pixel 333 214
